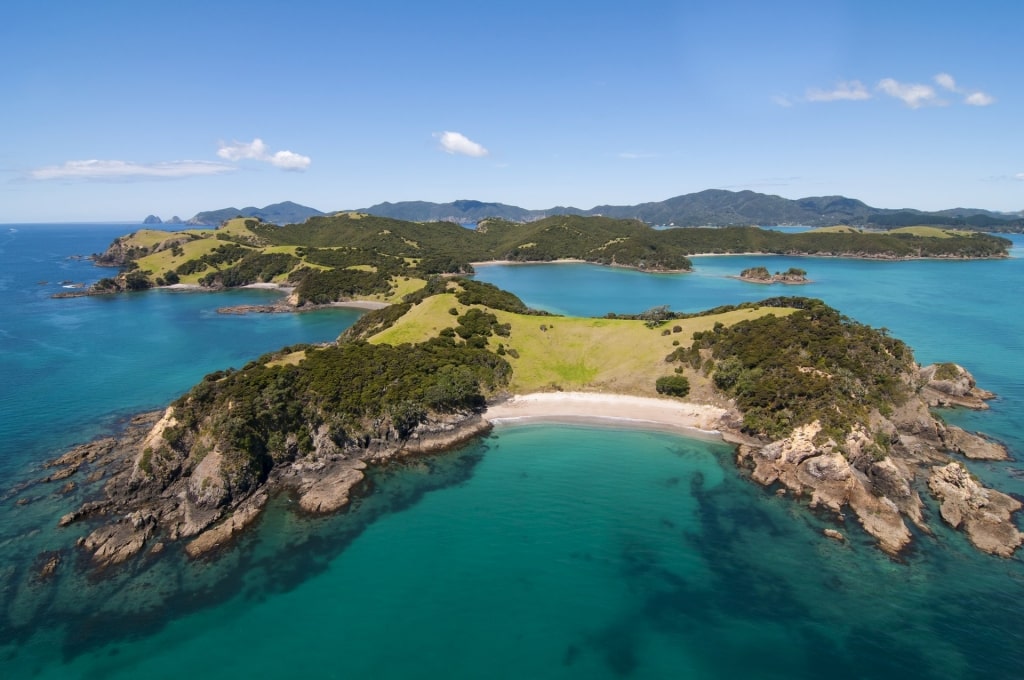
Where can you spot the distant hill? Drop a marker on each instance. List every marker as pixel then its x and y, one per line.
pixel 462 211
pixel 712 207
pixel 276 213
pixel 717 208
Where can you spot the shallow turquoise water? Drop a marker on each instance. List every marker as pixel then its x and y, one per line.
pixel 543 551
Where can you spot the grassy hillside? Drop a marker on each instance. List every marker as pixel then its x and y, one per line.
pixel 625 356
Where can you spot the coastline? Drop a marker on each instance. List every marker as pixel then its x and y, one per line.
pixel 570 260
pixel 691 419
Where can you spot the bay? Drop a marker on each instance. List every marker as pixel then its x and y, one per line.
pixel 541 551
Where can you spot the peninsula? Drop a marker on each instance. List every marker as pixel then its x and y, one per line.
pixel 819 406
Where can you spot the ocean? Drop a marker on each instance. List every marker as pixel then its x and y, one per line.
pixel 541 551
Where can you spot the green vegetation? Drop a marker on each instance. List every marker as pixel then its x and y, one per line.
pixel 757 273
pixel 673 385
pixel 930 232
pixel 352 393
pixel 785 361
pixel 814 364
pixel 351 255
pixel 946 371
pixel 622 355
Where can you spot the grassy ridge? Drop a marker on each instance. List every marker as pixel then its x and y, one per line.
pixel 625 356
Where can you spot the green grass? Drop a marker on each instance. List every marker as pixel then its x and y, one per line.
pixel 571 353
pixel 160 262
pixel 147 238
pixel 931 232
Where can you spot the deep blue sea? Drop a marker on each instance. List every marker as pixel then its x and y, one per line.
pixel 541 551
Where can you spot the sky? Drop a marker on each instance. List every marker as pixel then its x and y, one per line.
pixel 111 111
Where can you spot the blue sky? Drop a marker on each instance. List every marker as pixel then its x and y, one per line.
pixel 113 110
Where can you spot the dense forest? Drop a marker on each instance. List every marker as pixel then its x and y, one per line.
pixel 352 393
pixel 815 364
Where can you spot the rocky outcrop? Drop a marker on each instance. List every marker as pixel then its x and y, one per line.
pixel 820 472
pixel 984 514
pixel 329 491
pixel 971 445
pixel 948 384
pixel 221 534
pixel 875 477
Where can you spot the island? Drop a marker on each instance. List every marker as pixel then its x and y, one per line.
pixel 348 256
pixel 792 276
pixel 819 407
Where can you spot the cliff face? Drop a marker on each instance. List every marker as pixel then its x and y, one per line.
pixel 882 488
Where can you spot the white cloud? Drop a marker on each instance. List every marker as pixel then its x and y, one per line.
pixel 257 150
pixel 979 99
pixel 970 98
pixel 289 160
pixel 782 101
pixel 237 151
pixel 120 170
pixel 1019 176
pixel 457 143
pixel 632 156
pixel 947 81
pixel 852 90
pixel 914 95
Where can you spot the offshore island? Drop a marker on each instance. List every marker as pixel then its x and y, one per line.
pixel 819 407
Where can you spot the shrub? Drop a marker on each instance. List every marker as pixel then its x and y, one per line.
pixel 673 385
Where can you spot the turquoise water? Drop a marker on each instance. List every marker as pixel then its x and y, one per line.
pixel 542 551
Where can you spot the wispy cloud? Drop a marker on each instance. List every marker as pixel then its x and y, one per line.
pixel 851 90
pixel 632 156
pixel 127 170
pixel 1019 176
pixel 458 143
pixel 257 150
pixel 971 97
pixel 914 95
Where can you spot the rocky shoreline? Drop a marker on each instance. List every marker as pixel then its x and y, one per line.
pixel 136 515
pixel 128 513
pixel 881 487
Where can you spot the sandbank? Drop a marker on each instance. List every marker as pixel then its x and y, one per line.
pixel 619 409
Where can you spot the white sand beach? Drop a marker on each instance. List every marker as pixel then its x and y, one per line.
pixel 618 408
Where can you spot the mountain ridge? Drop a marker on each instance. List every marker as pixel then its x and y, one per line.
pixel 710 207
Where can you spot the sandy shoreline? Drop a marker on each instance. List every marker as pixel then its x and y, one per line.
pixel 620 409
